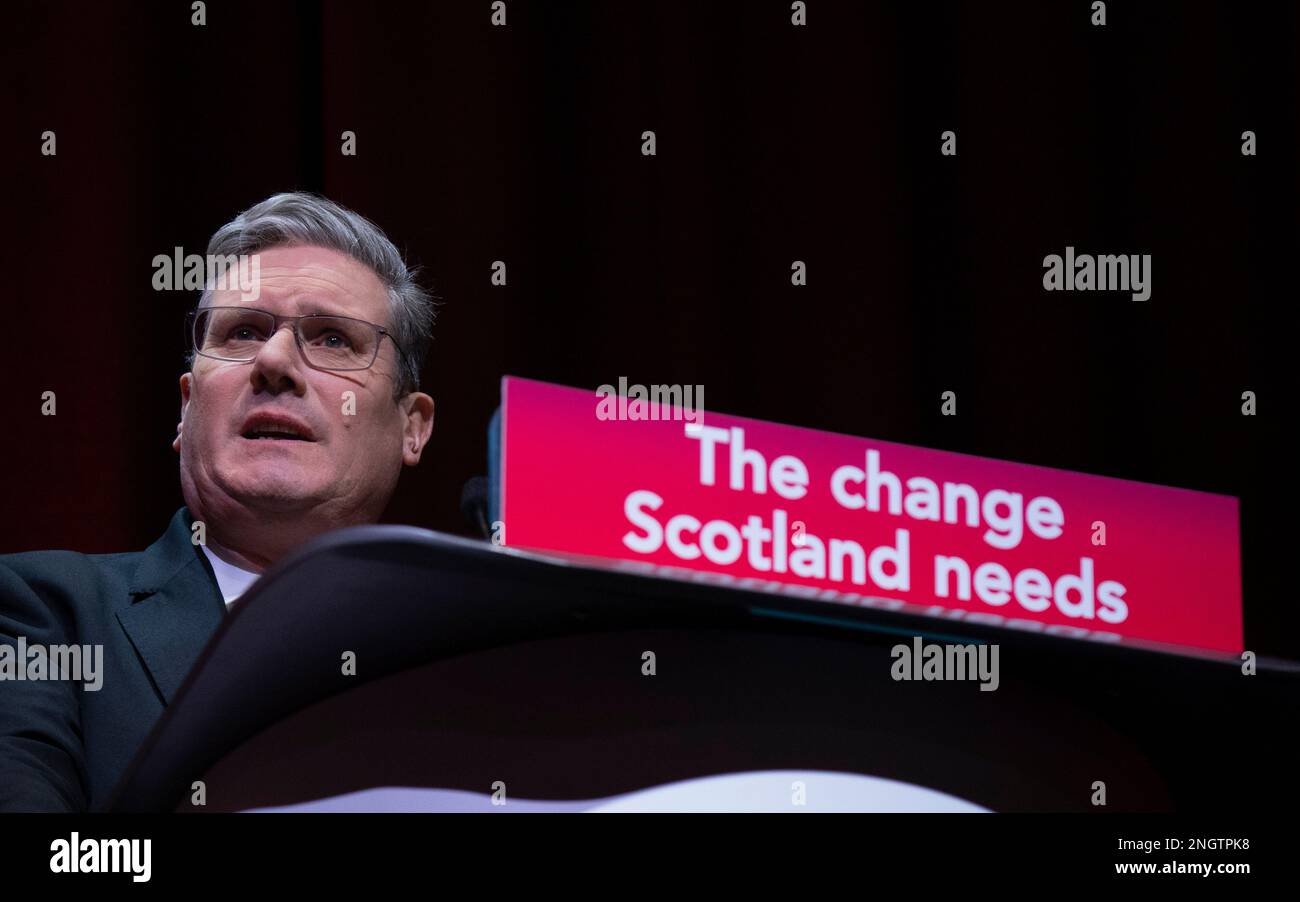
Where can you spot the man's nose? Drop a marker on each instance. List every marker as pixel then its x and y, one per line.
pixel 277 367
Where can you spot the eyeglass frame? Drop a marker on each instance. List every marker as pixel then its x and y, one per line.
pixel 191 325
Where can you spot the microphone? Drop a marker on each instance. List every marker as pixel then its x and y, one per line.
pixel 473 504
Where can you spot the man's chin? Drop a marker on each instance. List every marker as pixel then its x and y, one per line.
pixel 276 496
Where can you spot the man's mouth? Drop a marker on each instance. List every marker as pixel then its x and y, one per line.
pixel 274 426
pixel 274 435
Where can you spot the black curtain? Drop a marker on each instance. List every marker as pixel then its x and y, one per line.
pixel 775 143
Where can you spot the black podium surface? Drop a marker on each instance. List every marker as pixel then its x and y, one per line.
pixel 485 672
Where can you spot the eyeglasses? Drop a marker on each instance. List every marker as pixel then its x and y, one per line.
pixel 327 342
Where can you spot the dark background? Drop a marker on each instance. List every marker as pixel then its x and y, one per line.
pixel 775 144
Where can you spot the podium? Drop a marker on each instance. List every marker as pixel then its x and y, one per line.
pixel 392 668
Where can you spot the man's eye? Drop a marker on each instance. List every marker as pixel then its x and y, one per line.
pixel 335 341
pixel 244 333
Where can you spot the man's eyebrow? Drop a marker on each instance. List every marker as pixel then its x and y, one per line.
pixel 315 308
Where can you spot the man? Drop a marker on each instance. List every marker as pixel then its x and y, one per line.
pixel 298 413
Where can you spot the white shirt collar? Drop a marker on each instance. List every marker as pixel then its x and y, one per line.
pixel 231 580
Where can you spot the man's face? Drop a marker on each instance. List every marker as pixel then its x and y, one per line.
pixel 346 467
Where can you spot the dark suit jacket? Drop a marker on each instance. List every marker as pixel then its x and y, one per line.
pixel 63 748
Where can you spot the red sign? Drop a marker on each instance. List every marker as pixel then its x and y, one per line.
pixel 653 478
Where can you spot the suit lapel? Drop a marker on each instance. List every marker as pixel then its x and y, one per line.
pixel 176 606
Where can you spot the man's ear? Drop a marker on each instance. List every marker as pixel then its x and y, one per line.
pixel 186 379
pixel 417 409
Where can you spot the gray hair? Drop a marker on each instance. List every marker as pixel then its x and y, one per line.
pixel 299 218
